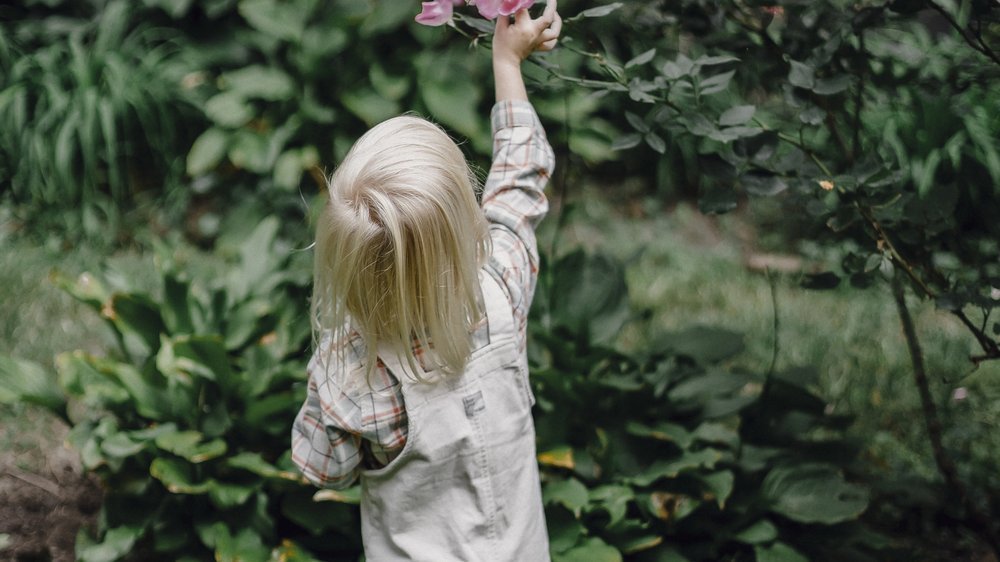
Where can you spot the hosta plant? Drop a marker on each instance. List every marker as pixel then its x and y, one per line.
pixel 187 422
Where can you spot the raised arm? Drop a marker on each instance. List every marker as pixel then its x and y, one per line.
pixel 523 161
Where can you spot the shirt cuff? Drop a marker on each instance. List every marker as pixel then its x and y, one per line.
pixel 513 113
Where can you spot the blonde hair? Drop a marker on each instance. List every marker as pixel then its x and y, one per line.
pixel 399 246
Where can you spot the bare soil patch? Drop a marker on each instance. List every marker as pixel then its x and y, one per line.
pixel 45 497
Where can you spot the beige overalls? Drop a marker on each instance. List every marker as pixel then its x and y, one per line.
pixel 465 487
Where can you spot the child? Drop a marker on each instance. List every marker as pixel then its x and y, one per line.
pixel 419 381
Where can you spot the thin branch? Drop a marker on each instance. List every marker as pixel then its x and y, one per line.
pixel 858 103
pixel 975 42
pixel 897 257
pixel 978 521
pixel 775 325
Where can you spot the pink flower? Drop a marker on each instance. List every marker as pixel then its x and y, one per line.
pixel 437 12
pixel 490 9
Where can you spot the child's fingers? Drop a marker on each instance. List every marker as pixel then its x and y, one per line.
pixel 520 18
pixel 502 24
pixel 548 45
pixel 550 12
pixel 556 24
pixel 548 35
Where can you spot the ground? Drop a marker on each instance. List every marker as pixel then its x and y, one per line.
pixel 45 498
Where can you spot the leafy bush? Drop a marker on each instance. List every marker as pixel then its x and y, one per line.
pixel 666 455
pixel 659 455
pixel 91 114
pixel 187 425
pixel 872 122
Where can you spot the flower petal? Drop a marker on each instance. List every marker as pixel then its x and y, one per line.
pixel 436 13
pixel 489 9
pixel 508 7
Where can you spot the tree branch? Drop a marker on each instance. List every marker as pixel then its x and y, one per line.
pixel 977 520
pixel 976 43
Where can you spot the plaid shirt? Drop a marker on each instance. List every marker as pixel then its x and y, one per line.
pixel 334 437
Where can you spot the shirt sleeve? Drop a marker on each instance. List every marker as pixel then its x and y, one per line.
pixel 328 455
pixel 514 201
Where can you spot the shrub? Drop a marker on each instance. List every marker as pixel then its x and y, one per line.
pixel 91 115
pixel 658 455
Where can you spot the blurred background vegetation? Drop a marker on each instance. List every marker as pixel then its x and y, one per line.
pixel 765 328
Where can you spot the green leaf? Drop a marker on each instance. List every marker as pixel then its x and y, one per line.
pixel 26 381
pixel 447 91
pixel 177 476
pixel 663 431
pixel 589 296
pixel 812 115
pixel 79 376
pixel 802 75
pixel 613 499
pixel 641 59
pixel 570 493
pixel 565 529
pixel 762 531
pixel 697 124
pixel 389 87
pixel 656 142
pixel 707 344
pixel 116 543
pixel 706 60
pixel 626 142
pixel 737 115
pixel 284 20
pixel 369 106
pixel 717 83
pixel 689 460
pixel 250 150
pixel 121 445
pixel 591 550
pixel 190 445
pixel 713 432
pixel 228 109
pixel 258 81
pixel 720 486
pixel 137 316
pixel 319 516
pixel 813 493
pixel 830 86
pixel 87 289
pixel 638 123
pixel 227 495
pixel 253 462
pixel 177 304
pixel 597 12
pixel 244 546
pixel 207 151
pixel 387 16
pixel 201 356
pixel 778 552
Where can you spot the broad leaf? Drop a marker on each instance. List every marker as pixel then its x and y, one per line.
pixel 813 493
pixel 26 381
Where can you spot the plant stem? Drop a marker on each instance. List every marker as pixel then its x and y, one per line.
pixel 978 521
pixel 976 43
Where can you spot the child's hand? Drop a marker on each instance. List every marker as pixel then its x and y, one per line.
pixel 514 41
